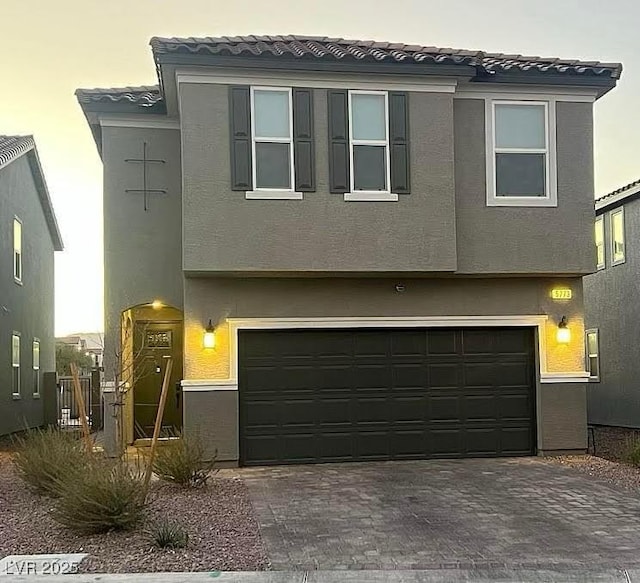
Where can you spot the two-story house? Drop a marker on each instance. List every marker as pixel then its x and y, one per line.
pixel 29 235
pixel 357 250
pixel 612 321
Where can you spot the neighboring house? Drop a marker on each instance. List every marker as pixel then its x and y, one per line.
pixel 89 343
pixel 613 323
pixel 359 250
pixel 29 235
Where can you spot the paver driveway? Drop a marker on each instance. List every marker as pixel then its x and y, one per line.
pixel 525 513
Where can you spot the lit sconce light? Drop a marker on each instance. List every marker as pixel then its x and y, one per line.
pixel 209 336
pixel 156 304
pixel 563 336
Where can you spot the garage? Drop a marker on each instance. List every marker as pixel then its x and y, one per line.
pixel 332 395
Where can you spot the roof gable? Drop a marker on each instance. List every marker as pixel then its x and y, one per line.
pixel 12 148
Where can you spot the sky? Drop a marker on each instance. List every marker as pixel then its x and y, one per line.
pixel 52 47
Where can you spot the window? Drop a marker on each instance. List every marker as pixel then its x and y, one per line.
pixel 599 234
pixel 15 363
pixel 592 343
pixel 521 153
pixel 369 141
pixel 617 236
pixel 36 367
pixel 272 131
pixel 17 250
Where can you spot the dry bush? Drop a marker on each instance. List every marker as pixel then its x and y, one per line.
pixel 45 458
pixel 105 496
pixel 183 461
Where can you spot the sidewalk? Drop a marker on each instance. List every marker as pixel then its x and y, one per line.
pixel 430 576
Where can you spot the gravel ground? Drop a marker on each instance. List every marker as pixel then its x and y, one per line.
pixel 615 473
pixel 223 532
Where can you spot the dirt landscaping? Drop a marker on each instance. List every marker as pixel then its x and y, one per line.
pixel 223 531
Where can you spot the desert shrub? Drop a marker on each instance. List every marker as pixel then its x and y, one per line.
pixel 183 461
pixel 105 496
pixel 632 451
pixel 165 534
pixel 46 457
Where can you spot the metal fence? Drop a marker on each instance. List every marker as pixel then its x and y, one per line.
pixel 68 406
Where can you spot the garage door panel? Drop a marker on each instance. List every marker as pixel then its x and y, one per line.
pixel 481 407
pixel 371 376
pixel 373 445
pixel 376 394
pixel 444 409
pixel 442 342
pixel 515 407
pixel 443 375
pixel 409 343
pixel 482 441
pixel 409 375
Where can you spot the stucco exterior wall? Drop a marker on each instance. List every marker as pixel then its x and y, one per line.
pixel 525 239
pixel 142 249
pixel 611 306
pixel 222 298
pixel 27 308
pixel 223 232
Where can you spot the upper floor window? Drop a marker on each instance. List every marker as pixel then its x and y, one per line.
pixel 15 364
pixel 369 141
pixel 617 236
pixel 272 131
pixel 17 250
pixel 35 353
pixel 599 235
pixel 521 153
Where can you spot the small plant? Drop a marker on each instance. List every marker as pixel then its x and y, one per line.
pixel 165 534
pixel 183 461
pixel 105 496
pixel 47 457
pixel 632 451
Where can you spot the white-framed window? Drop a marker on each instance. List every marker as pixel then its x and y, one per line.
pixel 600 248
pixel 17 250
pixel 592 350
pixel 521 153
pixel 15 364
pixel 272 140
pixel 35 352
pixel 369 158
pixel 616 230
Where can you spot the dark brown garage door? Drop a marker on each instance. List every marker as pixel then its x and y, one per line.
pixel 309 396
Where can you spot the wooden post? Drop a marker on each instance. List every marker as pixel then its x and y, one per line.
pixel 157 427
pixel 77 389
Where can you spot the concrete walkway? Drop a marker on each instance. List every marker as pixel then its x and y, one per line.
pixel 426 576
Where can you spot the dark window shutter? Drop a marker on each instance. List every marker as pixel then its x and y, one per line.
pixel 240 130
pixel 303 146
pixel 338 141
pixel 399 142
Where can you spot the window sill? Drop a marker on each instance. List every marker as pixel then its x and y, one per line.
pixel 522 201
pixel 17 281
pixel 36 395
pixel 619 262
pixel 272 195
pixel 16 396
pixel 370 197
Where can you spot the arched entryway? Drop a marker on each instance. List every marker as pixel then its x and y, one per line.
pixel 151 335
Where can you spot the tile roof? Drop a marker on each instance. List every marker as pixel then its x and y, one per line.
pixel 12 147
pixel 336 49
pixel 618 196
pixel 144 95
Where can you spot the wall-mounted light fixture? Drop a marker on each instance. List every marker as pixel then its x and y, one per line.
pixel 157 304
pixel 209 340
pixel 563 335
